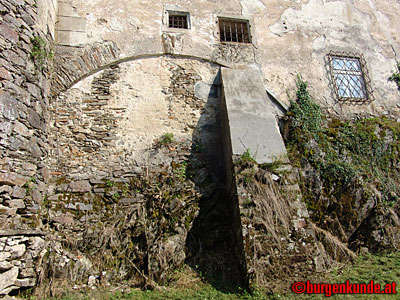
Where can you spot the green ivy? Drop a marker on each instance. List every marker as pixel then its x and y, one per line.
pixel 306 115
pixel 342 152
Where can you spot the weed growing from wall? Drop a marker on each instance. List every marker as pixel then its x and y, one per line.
pixel 396 75
pixel 41 53
pixel 166 139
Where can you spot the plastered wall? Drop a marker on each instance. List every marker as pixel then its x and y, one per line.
pixel 288 38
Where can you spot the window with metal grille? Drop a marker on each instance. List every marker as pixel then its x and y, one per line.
pixel 231 30
pixel 350 80
pixel 178 20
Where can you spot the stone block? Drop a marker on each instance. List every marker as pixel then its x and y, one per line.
pixel 8 279
pixel 26 272
pixel 7 211
pixel 4 74
pixel 34 119
pixel 16 59
pixel 65 9
pixel 252 124
pixel 16 203
pixel 34 147
pixel 5 266
pixel 28 19
pixel 29 166
pixel 80 186
pixel 71 38
pixel 13 179
pixel 64 219
pixel 6 189
pixel 131 200
pixel 16 251
pixel 79 206
pixel 71 23
pixel 8 106
pixel 46 174
pixel 8 33
pixel 36 245
pixel 37 196
pixel 21 129
pixel 6 127
pixel 26 282
pixel 19 192
pixel 4 256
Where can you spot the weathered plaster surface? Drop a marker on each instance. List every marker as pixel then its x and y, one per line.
pixel 145 99
pixel 289 37
pixel 253 126
pixel 47 16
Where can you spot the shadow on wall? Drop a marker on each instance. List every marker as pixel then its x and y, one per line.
pixel 134 222
pixel 213 249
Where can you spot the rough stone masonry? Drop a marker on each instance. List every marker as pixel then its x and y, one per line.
pixel 89 90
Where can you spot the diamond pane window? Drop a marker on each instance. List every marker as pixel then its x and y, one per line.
pixel 348 76
pixel 232 30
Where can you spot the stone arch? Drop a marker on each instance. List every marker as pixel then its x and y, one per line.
pixel 97 109
pixel 73 66
pixel 100 126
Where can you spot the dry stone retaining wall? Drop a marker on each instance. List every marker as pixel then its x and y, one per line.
pixel 25 61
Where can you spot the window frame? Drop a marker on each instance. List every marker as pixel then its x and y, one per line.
pixel 177 13
pixel 355 73
pixel 247 22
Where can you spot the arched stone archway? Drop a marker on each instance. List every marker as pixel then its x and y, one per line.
pixel 75 64
pixel 109 132
pixel 123 106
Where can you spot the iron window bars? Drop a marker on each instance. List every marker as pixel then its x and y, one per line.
pixel 349 76
pixel 232 30
pixel 178 20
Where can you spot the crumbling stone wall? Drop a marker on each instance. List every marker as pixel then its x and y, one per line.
pixel 131 154
pixel 105 124
pixel 281 245
pixel 21 252
pixel 25 61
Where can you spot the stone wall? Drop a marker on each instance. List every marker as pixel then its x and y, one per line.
pixel 105 125
pixel 20 252
pixel 287 38
pixel 25 61
pixel 133 149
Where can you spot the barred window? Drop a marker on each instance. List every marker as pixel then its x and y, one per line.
pixel 348 74
pixel 232 30
pixel 178 19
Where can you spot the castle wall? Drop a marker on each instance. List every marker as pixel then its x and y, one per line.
pixel 26 40
pixel 288 38
pixel 105 125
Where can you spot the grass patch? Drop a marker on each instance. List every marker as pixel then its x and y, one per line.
pixel 382 269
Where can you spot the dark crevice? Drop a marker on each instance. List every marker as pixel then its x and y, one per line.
pixel 213 247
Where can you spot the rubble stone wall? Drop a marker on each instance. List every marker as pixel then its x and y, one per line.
pixel 26 47
pixel 133 149
pixel 105 125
